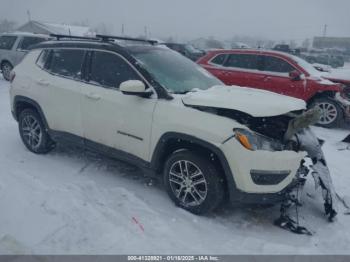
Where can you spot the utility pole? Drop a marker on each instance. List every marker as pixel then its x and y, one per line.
pixel 29 16
pixel 146 33
pixel 325 30
pixel 122 29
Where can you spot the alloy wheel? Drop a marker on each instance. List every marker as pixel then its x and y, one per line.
pixel 188 183
pixel 329 113
pixel 31 131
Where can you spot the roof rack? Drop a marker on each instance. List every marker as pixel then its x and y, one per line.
pixel 58 37
pixel 109 37
pixel 104 38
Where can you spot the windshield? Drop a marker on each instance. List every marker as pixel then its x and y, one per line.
pixel 173 71
pixel 307 66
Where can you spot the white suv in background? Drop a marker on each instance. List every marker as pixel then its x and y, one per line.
pixel 149 105
pixel 13 47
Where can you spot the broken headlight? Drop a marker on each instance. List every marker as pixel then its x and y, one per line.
pixel 254 141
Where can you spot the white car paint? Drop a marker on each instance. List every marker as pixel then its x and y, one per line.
pixel 101 115
pixel 255 102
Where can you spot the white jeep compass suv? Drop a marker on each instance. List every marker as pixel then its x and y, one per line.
pixel 148 105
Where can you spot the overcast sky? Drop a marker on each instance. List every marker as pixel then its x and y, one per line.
pixel 272 19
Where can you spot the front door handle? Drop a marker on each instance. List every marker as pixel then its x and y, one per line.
pixel 93 96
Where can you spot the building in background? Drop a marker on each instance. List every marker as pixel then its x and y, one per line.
pixel 38 27
pixel 332 42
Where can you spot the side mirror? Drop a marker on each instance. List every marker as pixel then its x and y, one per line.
pixel 295 75
pixel 134 87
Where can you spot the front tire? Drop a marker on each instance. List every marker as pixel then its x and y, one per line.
pixel 331 113
pixel 33 132
pixel 193 182
pixel 6 68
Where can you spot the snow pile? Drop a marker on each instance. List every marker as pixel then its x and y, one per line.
pixel 76 202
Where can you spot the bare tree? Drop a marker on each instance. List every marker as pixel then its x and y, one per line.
pixel 7 25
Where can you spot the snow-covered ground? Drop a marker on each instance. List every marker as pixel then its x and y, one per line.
pixel 76 202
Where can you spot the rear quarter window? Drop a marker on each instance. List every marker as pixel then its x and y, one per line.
pixel 43 58
pixel 7 42
pixel 219 59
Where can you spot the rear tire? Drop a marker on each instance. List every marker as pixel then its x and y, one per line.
pixel 33 132
pixel 332 114
pixel 193 182
pixel 6 68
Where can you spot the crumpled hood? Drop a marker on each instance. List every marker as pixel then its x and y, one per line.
pixel 255 102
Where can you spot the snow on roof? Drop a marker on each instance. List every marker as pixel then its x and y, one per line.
pixel 65 29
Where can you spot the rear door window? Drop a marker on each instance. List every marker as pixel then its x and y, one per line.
pixel 244 61
pixel 29 41
pixel 67 62
pixel 110 70
pixel 276 65
pixel 7 41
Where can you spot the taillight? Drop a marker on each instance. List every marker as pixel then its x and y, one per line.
pixel 12 76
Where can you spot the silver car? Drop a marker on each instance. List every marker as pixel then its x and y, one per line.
pixel 13 47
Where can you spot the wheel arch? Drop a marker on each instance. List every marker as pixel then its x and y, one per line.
pixel 172 141
pixel 21 103
pixel 5 61
pixel 323 94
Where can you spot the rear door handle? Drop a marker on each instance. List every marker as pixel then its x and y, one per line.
pixel 43 82
pixel 265 78
pixel 93 96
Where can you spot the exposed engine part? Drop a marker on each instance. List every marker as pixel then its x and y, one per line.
pixel 274 127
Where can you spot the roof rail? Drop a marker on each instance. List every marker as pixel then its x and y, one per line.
pixel 109 37
pixel 58 37
pixel 104 38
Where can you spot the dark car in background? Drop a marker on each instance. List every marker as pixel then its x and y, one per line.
pixel 13 47
pixel 187 50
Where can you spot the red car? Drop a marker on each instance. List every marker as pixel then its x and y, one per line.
pixel 281 73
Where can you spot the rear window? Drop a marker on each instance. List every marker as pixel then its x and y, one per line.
pixel 7 41
pixel 29 41
pixel 66 62
pixel 245 61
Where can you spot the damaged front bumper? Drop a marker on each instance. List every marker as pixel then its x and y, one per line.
pixel 345 104
pixel 261 177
